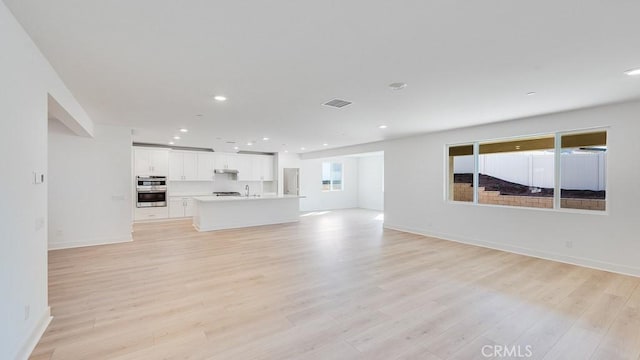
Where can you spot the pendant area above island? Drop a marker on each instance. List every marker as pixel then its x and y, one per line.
pixel 231 212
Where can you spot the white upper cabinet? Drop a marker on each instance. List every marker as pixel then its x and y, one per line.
pixel 261 167
pixel 201 166
pixel 244 166
pixel 225 161
pixel 151 162
pixel 190 166
pixel 175 166
pixel 206 166
pixel 266 167
pixel 183 165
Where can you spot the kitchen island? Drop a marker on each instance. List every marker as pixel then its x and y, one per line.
pixel 230 212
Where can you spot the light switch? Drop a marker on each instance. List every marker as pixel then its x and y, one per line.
pixel 38 178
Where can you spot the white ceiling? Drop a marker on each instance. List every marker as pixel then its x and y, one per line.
pixel 154 64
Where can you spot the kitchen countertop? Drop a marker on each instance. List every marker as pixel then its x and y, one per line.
pixel 212 198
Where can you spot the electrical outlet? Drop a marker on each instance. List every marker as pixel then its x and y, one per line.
pixel 27 310
pixel 569 244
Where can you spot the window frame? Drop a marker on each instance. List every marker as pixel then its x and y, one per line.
pixel 448 195
pixel 331 180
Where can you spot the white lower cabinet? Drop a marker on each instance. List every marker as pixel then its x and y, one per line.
pixel 150 213
pixel 180 207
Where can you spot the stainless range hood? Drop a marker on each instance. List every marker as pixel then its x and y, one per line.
pixel 226 171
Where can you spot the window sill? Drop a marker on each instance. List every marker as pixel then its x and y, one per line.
pixel 560 210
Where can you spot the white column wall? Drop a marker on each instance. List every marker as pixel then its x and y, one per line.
pixel 27 82
pixel 90 183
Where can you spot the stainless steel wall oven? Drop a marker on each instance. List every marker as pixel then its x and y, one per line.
pixel 152 191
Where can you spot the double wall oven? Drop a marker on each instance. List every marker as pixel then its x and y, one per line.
pixel 152 191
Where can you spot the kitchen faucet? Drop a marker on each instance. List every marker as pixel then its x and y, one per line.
pixel 246 190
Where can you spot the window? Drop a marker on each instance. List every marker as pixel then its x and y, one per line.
pixel 552 171
pixel 332 176
pixel 517 172
pixel 461 170
pixel 582 171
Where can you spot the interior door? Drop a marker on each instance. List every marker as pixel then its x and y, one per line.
pixel 291 184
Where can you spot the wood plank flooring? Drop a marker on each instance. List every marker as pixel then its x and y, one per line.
pixel 333 286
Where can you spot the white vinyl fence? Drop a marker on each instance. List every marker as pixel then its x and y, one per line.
pixel 580 171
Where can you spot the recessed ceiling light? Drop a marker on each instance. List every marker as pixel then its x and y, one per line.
pixel 325 144
pixel 531 93
pixel 286 151
pixel 171 143
pixel 249 143
pixel 220 98
pixel 633 72
pixel 301 148
pixel 265 138
pixel 184 130
pixel 382 127
pixel 176 137
pixel 235 148
pixel 397 86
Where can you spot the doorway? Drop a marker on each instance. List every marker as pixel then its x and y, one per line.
pixel 291 184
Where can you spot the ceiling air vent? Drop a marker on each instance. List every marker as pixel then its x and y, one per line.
pixel 337 103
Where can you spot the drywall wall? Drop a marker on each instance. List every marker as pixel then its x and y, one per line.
pixel 89 186
pixel 223 182
pixel 311 186
pixel 415 181
pixel 27 82
pixel 416 201
pixel 285 160
pixel 371 182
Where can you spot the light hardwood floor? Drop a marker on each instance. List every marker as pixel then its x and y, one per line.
pixel 334 286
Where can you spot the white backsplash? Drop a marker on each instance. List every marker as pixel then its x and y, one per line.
pixel 221 183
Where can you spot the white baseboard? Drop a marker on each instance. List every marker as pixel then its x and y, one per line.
pixel 573 260
pixel 28 347
pixel 94 242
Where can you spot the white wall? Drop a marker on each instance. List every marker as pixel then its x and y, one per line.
pixel 415 183
pixel 370 182
pixel 415 201
pixel 27 79
pixel 89 186
pixel 285 160
pixel 311 186
pixel 223 182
